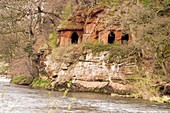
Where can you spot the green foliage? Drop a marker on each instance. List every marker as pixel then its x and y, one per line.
pixel 21 80
pixel 52 86
pixel 117 52
pixel 156 39
pixel 29 48
pixel 144 86
pixel 96 46
pixel 146 3
pixel 72 52
pixel 68 88
pixel 40 83
pixel 3 92
pixel 53 39
pixel 67 11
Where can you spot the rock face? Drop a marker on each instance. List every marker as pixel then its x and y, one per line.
pixel 23 67
pixel 92 24
pixel 85 70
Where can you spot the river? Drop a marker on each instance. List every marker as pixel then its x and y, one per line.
pixel 23 99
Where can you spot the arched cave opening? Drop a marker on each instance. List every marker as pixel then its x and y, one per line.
pixel 74 38
pixel 111 38
pixel 125 38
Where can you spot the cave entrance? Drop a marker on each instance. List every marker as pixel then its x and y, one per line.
pixel 125 38
pixel 111 38
pixel 74 38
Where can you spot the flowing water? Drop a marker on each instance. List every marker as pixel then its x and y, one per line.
pixel 22 99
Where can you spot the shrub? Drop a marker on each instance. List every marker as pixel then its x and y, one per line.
pixel 40 83
pixel 117 52
pixel 22 80
pixel 29 48
pixel 67 10
pixel 53 39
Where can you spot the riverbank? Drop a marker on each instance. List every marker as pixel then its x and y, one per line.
pixel 95 67
pixel 72 69
pixel 116 90
pixel 100 48
pixel 16 96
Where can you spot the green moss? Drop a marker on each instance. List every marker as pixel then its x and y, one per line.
pixel 21 80
pixel 40 83
pixel 53 39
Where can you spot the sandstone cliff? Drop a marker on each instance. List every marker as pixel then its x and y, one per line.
pixel 108 70
pixel 87 71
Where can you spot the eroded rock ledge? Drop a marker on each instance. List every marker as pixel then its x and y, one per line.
pixel 86 71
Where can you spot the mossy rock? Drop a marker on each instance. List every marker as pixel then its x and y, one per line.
pixel 41 84
pixel 22 80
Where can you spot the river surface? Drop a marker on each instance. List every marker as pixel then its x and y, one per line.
pixel 22 99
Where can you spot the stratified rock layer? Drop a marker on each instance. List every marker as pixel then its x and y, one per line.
pixel 86 71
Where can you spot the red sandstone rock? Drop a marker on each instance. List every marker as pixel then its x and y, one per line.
pixel 117 87
pixel 91 85
pixel 79 19
pixel 90 28
pixel 91 24
pixel 100 27
pixel 91 20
